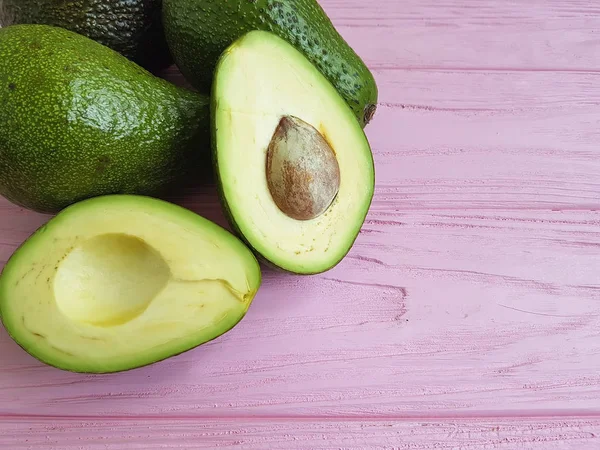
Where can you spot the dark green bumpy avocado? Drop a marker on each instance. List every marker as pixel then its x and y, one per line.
pixel 198 31
pixel 79 120
pixel 130 27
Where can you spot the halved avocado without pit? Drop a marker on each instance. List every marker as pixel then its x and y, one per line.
pixel 117 282
pixel 294 167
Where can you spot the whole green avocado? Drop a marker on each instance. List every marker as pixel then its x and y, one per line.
pixel 79 120
pixel 130 27
pixel 198 31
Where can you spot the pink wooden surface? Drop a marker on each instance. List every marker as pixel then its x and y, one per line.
pixel 468 313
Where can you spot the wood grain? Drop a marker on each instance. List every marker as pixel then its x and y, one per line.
pixel 538 35
pixel 467 315
pixel 182 433
pixel 487 140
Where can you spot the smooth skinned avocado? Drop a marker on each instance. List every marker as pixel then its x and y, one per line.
pixel 130 27
pixel 294 167
pixel 79 120
pixel 118 282
pixel 198 31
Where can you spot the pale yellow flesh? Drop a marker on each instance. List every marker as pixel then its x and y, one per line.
pixel 259 80
pixel 123 285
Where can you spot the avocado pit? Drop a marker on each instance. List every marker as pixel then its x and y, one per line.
pixel 303 173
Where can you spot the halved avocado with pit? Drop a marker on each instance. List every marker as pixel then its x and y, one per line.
pixel 118 282
pixel 294 168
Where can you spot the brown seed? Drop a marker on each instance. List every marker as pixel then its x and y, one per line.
pixel 303 174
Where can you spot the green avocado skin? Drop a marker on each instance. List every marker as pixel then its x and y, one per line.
pixel 130 27
pixel 198 31
pixel 79 120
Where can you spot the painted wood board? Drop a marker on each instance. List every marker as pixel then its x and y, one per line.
pixel 251 434
pixel 471 299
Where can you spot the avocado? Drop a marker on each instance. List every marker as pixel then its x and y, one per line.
pixel 294 168
pixel 198 31
pixel 79 120
pixel 130 27
pixel 122 281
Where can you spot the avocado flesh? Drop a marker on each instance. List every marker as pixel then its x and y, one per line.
pixel 78 120
pixel 198 31
pixel 118 282
pixel 260 79
pixel 130 27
